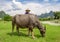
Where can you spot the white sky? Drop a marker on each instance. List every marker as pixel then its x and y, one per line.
pixel 36 8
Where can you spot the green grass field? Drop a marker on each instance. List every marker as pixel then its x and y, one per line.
pixel 52 34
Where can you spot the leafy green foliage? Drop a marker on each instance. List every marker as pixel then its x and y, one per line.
pixel 4 16
pixel 45 19
pixel 7 18
pixel 57 14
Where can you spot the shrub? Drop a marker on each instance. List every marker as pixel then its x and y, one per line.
pixel 7 18
pixel 45 19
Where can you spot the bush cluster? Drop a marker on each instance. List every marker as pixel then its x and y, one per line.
pixel 45 19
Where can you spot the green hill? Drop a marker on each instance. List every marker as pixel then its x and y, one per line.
pixel 2 14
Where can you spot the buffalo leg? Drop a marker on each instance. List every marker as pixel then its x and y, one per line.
pixel 29 32
pixel 13 27
pixel 32 33
pixel 17 28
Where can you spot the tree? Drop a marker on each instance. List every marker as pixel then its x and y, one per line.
pixel 57 15
pixel 7 17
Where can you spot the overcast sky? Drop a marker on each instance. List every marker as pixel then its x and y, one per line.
pixel 37 7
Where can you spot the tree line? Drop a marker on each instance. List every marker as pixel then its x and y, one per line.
pixel 7 17
pixel 57 15
pixel 4 16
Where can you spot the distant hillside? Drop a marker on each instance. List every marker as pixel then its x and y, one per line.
pixel 46 15
pixel 2 14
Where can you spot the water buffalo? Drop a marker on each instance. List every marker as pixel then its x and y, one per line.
pixel 29 21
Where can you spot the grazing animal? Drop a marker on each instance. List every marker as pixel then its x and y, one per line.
pixel 29 21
